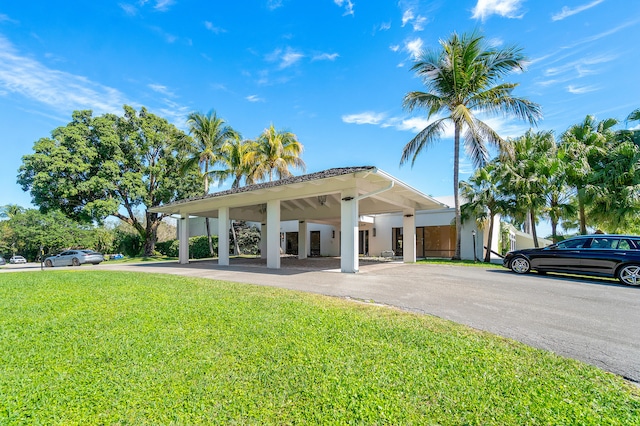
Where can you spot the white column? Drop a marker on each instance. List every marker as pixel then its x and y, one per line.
pixel 302 239
pixel 223 236
pixel 273 234
pixel 409 236
pixel 349 261
pixel 183 244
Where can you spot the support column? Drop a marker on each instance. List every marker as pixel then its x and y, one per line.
pixel 273 234
pixel 302 239
pixel 409 236
pixel 223 236
pixel 349 261
pixel 183 238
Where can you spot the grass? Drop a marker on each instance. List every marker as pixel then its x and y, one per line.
pixel 105 347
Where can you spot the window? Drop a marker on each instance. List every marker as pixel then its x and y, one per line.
pixel 573 244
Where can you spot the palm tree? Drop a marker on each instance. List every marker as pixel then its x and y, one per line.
pixel 210 133
pixel 10 210
pixel 274 152
pixel 462 79
pixel 484 199
pixel 528 173
pixel 582 147
pixel 235 160
pixel 634 116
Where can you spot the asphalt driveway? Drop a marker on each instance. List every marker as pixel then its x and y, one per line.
pixel 596 321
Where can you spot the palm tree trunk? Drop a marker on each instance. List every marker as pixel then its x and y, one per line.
pixel 534 233
pixel 582 215
pixel 206 220
pixel 487 254
pixel 235 239
pixel 554 230
pixel 456 190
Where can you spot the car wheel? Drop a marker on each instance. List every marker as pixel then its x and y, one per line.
pixel 629 275
pixel 520 265
pixel 48 263
pixel 75 262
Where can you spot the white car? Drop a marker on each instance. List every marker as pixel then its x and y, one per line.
pixel 17 259
pixel 74 258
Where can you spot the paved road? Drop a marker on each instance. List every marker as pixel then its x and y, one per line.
pixel 596 321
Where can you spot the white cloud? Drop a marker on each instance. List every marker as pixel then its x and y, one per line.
pixel 163 5
pixel 6 18
pixel 161 89
pixel 567 11
pixel 129 9
pixel 503 126
pixel 578 90
pixel 394 47
pixel 367 117
pixel 417 22
pixel 325 57
pixel 414 47
pixel 274 4
pixel 348 6
pixel 216 30
pixel 290 57
pixel 504 8
pixel 254 98
pixel 580 66
pixel 59 90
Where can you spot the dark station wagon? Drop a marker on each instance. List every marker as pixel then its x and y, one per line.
pixel 601 255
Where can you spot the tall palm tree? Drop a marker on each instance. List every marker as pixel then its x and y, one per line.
pixel 484 198
pixel 528 173
pixel 210 133
pixel 274 152
pixel 462 79
pixel 582 147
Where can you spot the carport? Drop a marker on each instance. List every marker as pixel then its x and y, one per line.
pixel 335 196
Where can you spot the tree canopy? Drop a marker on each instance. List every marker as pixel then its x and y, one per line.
pixel 95 167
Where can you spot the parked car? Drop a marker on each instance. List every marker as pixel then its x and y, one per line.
pixel 17 259
pixel 74 258
pixel 2 261
pixel 616 256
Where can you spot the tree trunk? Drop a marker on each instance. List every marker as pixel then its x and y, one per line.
pixel 151 233
pixel 456 192
pixel 582 215
pixel 235 239
pixel 534 232
pixel 487 254
pixel 206 221
pixel 554 230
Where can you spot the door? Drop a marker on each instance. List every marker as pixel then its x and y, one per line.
pixel 396 235
pixel 292 243
pixel 314 242
pixel 564 256
pixel 363 242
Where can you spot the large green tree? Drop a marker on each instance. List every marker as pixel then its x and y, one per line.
pixel 582 147
pixel 95 167
pixel 210 134
pixel 465 77
pixel 273 154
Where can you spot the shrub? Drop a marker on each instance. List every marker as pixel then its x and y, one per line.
pixel 199 247
pixel 169 248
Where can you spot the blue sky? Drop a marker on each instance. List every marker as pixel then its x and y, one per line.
pixel 334 72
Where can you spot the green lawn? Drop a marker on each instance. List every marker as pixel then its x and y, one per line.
pixel 100 347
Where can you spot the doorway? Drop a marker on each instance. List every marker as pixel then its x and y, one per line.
pixel 363 242
pixel 314 243
pixel 292 243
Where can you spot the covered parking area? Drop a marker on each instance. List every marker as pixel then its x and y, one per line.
pixel 339 196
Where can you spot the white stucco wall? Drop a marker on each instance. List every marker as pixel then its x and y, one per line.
pixel 329 237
